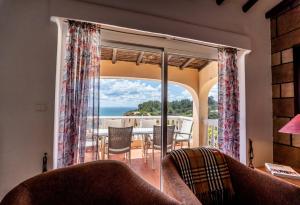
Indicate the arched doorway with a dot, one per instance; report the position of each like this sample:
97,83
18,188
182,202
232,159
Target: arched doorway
133,93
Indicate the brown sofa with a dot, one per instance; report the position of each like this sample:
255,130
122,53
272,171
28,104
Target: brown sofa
102,182
250,186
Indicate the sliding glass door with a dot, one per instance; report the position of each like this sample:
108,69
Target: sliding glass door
155,92
188,79
132,108
182,99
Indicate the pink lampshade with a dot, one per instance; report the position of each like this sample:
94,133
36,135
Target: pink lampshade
292,127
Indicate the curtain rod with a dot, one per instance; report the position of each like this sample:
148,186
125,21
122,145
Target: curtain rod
131,44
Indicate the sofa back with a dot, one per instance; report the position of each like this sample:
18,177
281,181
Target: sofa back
102,182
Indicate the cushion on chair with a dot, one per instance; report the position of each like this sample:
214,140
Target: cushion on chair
182,137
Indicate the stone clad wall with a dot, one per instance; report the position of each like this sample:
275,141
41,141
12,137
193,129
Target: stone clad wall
285,33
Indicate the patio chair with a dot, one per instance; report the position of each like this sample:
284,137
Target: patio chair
102,141
119,141
156,141
147,123
185,133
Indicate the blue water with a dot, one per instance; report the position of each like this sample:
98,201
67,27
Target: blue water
115,111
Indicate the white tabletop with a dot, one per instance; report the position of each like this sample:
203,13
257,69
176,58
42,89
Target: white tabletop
135,131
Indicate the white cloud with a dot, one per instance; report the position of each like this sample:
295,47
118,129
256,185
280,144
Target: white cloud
130,93
127,93
214,92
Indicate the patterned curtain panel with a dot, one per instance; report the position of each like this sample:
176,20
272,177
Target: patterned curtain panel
228,103
79,96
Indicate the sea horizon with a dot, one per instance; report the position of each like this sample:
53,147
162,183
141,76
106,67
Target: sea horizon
115,111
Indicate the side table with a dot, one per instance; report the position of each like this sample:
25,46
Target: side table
292,181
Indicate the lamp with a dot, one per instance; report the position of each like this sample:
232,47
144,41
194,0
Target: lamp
292,127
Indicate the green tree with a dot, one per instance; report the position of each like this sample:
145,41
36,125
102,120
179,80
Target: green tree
178,107
212,108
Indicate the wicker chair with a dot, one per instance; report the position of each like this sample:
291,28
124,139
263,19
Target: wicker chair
119,141
156,141
102,140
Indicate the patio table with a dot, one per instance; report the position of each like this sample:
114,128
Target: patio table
102,134
135,131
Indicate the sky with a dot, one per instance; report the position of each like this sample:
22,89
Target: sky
214,92
130,93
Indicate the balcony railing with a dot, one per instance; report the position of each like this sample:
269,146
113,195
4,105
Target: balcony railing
212,132
211,125
137,121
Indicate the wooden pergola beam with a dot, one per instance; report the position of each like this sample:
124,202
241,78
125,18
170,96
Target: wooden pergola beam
140,58
219,2
203,65
114,56
187,63
248,5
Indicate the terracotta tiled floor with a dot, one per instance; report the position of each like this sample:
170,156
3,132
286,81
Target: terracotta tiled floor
142,168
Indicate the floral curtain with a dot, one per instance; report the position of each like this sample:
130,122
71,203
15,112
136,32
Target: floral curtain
79,96
228,102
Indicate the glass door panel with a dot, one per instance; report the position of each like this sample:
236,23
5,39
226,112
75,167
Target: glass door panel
130,96
183,105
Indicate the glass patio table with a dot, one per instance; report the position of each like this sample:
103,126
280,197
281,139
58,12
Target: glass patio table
135,131
102,134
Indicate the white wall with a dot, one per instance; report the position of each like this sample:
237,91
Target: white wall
28,59
27,74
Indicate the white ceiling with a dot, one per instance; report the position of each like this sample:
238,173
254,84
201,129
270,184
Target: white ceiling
167,7
197,12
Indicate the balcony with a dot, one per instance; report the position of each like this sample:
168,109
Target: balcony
135,121
211,125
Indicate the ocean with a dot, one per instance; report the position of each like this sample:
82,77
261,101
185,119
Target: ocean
115,111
